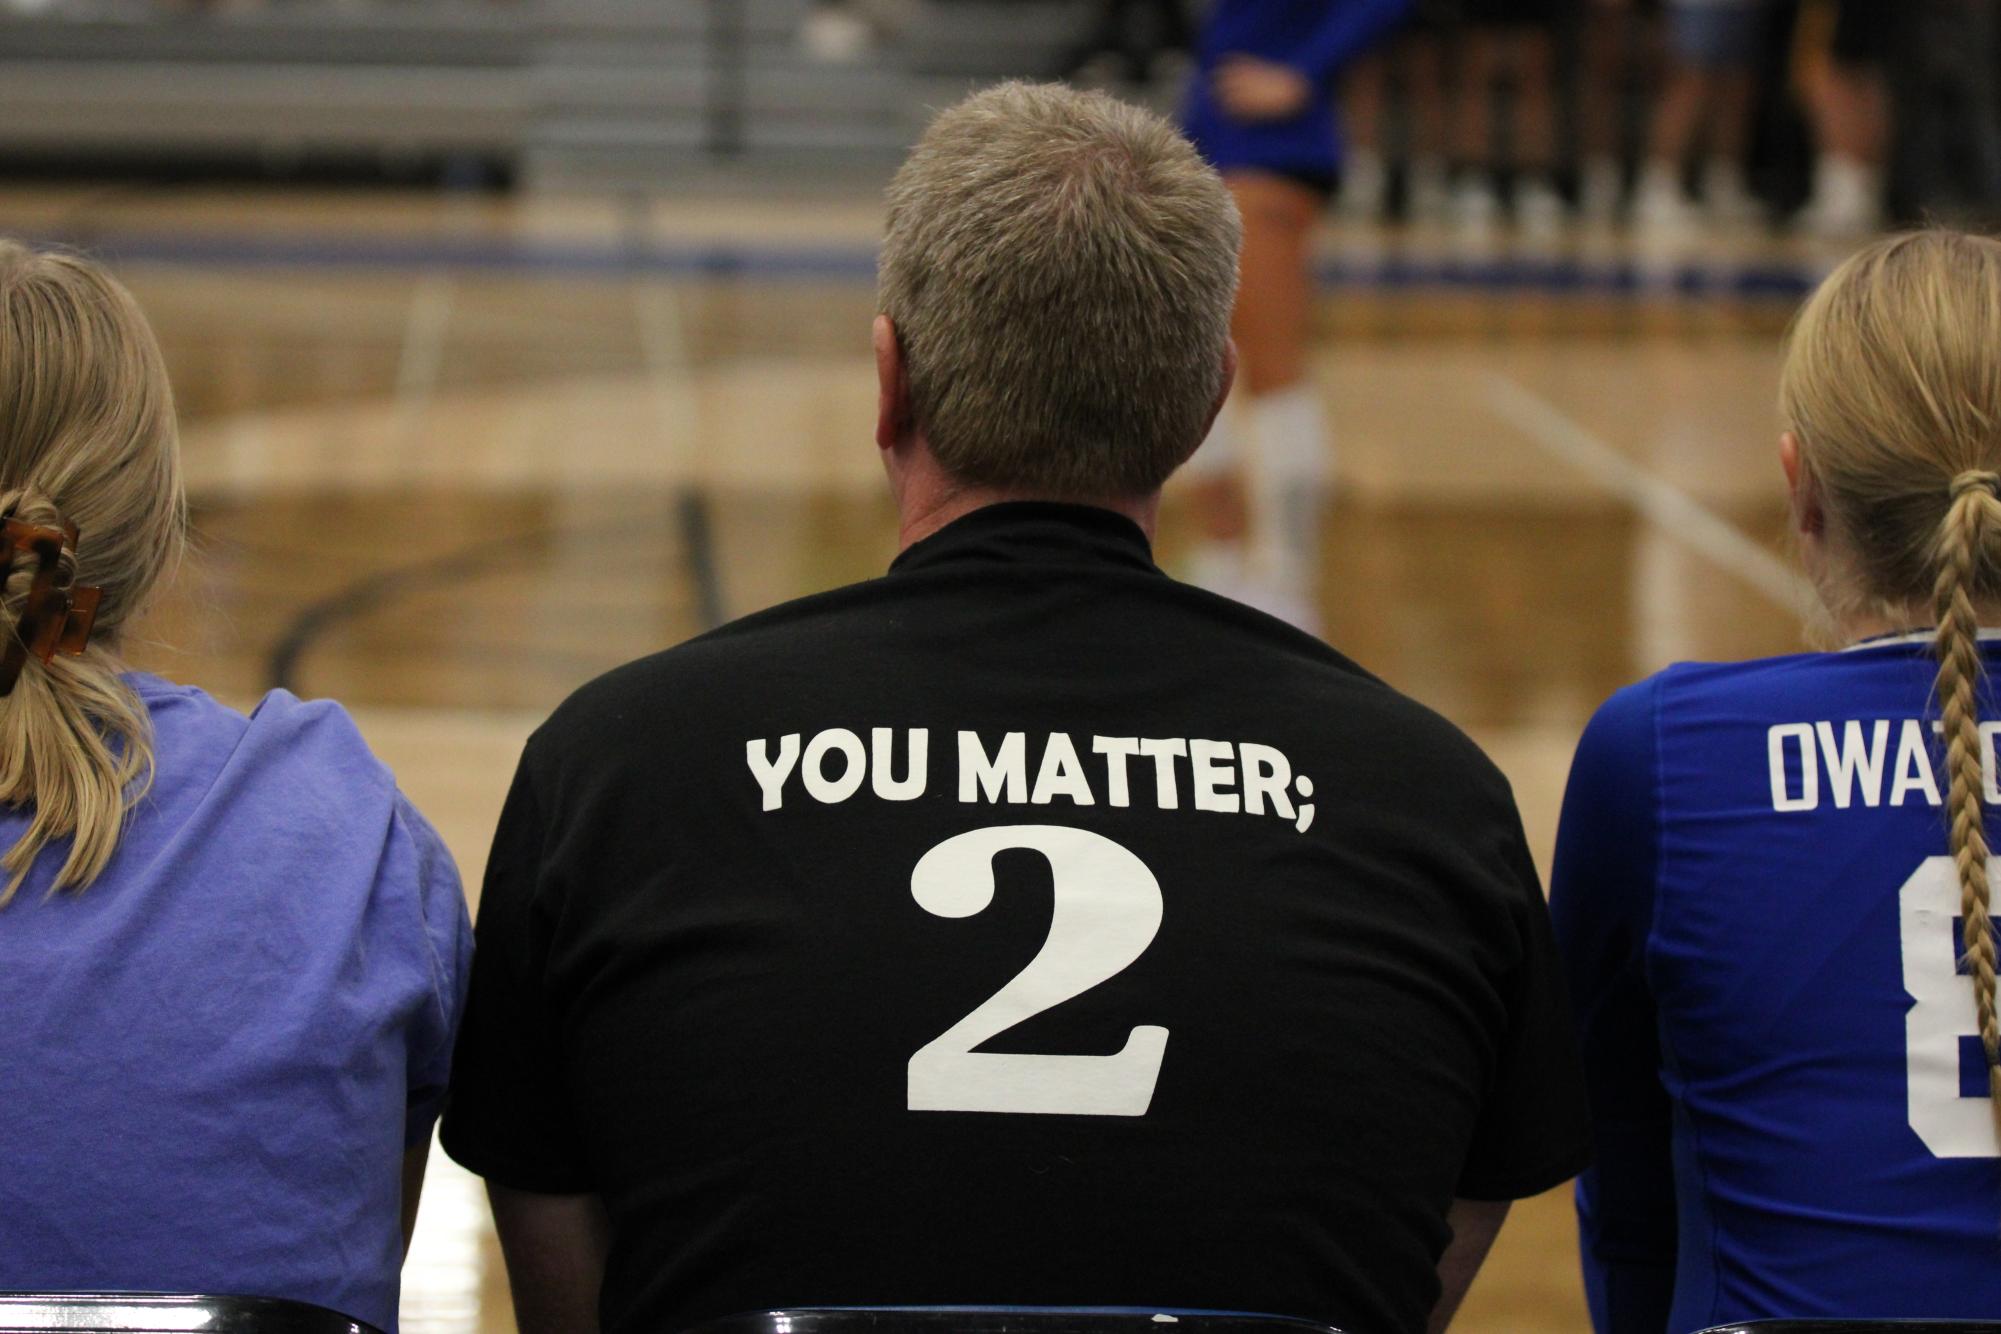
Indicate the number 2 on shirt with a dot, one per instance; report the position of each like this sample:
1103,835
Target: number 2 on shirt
1108,909
1951,1126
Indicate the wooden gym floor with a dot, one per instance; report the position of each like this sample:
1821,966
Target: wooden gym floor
451,458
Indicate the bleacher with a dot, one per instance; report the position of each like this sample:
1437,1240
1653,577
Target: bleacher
621,93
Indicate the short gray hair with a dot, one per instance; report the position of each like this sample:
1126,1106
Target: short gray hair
1060,268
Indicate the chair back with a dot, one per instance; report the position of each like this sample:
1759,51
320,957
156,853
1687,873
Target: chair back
156,1313
1004,1320
1858,1327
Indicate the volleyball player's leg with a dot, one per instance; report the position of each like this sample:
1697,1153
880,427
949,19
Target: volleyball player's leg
1429,107
1273,303
1726,190
1850,111
1537,203
1365,170
1605,69
1214,478
1481,57
1677,118
1256,544
1290,463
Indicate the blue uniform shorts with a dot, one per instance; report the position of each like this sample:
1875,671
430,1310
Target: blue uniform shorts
1303,148
1716,35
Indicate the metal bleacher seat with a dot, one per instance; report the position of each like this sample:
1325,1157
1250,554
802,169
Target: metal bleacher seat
1859,1327
1003,1320
155,1313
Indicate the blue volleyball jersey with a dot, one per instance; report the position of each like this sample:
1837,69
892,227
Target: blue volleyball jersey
1760,924
1316,37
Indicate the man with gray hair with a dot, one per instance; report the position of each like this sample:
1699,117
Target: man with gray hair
1023,927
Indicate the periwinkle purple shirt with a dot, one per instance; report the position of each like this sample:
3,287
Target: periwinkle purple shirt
213,1058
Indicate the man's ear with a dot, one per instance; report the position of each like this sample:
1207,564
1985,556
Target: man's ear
1809,515
892,411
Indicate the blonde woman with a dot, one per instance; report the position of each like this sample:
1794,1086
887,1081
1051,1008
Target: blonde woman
1771,882
232,956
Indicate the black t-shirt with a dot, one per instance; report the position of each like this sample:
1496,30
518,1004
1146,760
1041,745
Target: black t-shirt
1022,927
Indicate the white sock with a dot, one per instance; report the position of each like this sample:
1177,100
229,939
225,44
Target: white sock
1839,171
1846,190
1364,181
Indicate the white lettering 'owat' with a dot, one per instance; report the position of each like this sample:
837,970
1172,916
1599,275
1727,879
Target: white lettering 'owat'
1856,763
1914,766
1121,772
1850,759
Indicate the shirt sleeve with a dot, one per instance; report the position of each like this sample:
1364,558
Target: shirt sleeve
1533,1132
1347,33
416,850
1602,898
509,1117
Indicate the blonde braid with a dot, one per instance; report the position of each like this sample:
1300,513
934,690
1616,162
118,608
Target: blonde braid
1973,517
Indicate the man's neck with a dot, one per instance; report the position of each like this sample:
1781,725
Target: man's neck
925,515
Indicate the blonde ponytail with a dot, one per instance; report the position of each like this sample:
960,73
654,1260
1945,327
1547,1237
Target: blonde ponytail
1892,387
1971,522
87,438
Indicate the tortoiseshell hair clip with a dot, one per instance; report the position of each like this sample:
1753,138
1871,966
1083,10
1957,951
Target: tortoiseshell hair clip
53,618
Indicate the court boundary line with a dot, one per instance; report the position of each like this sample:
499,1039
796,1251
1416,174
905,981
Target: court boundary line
1659,502
371,592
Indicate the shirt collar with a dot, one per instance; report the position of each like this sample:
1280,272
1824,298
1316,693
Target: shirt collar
1908,637
1032,532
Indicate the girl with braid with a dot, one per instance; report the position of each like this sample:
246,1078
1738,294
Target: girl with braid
1771,882
232,955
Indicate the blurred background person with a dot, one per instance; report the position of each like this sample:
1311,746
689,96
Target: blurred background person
1946,132
1393,104
1262,109
1511,45
1848,102
1145,41
1606,51
1712,52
